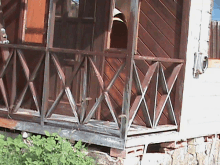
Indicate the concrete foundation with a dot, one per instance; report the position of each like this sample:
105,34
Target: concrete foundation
197,151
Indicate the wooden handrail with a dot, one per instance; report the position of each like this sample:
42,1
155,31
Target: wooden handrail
158,59
19,46
64,50
84,52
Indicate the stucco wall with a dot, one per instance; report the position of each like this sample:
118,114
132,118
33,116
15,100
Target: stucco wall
201,97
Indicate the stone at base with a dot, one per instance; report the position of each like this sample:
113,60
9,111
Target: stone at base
156,159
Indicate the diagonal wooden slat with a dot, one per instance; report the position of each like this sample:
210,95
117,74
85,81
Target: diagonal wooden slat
102,96
20,99
174,75
24,64
75,71
34,95
171,114
111,108
98,75
168,88
14,81
84,92
5,65
56,102
72,102
93,109
146,82
10,11
59,69
68,83
153,95
34,73
4,93
144,106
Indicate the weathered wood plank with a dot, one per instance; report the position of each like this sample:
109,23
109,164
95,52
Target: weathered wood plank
154,95
151,43
131,46
166,15
46,89
5,64
74,134
137,130
161,24
14,81
158,59
167,45
174,8
182,55
84,91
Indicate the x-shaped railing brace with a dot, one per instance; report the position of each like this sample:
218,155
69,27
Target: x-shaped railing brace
143,89
66,89
105,95
30,82
105,92
165,98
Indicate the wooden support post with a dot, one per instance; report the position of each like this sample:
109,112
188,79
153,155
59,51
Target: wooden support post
51,23
5,56
49,44
132,34
14,82
182,55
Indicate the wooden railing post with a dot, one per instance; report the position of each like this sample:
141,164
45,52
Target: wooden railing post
131,46
49,44
182,55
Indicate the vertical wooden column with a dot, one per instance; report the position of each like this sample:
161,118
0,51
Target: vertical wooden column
182,55
132,34
101,60
49,44
4,51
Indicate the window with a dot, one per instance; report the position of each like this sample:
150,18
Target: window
73,8
69,8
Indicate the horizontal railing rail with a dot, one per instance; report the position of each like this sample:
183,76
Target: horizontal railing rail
109,54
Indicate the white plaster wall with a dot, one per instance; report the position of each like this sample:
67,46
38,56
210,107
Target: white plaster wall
201,97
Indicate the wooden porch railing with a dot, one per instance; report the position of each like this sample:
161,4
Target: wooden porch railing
81,120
